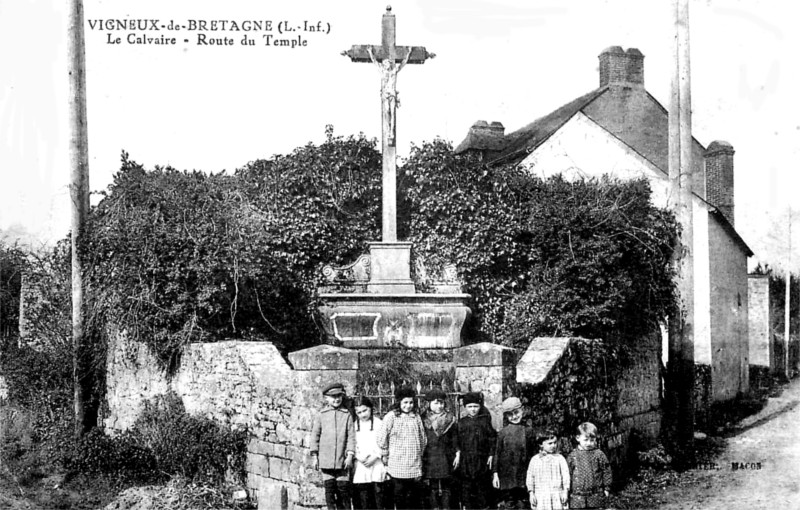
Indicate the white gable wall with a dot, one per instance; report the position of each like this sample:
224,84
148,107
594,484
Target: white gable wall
581,148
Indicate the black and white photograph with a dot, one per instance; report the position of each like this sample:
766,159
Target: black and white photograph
428,255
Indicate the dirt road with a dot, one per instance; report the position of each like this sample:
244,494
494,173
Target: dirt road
759,468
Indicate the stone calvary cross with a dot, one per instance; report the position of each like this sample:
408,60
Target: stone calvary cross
383,309
390,58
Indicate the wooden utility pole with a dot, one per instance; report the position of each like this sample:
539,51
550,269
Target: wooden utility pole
680,365
79,194
787,302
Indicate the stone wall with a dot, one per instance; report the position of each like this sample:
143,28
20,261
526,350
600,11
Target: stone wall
567,381
489,369
250,384
240,383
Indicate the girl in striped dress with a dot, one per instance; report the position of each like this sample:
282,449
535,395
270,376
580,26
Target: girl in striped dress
548,475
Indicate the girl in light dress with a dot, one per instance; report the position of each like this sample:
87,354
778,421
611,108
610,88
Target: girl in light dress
369,476
402,440
548,475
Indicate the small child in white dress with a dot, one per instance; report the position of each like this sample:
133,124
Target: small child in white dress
370,473
548,475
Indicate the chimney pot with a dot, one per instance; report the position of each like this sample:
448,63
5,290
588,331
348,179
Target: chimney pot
497,128
483,128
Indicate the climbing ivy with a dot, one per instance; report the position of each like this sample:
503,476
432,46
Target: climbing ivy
541,257
184,257
179,257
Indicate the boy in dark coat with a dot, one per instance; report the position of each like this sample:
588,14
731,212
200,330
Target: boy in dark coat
442,455
476,439
516,444
333,447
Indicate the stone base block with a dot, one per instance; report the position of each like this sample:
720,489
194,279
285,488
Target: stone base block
390,271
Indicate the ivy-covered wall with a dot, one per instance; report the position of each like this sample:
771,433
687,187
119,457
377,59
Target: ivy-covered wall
184,257
568,381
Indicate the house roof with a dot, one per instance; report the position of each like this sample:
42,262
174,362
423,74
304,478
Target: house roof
642,127
631,114
483,136
523,141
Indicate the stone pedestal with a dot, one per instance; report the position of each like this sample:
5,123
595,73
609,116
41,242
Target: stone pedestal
372,303
390,268
359,320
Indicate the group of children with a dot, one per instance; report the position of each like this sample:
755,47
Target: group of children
410,460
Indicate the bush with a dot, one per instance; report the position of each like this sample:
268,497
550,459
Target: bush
197,448
541,257
40,385
165,441
123,456
180,257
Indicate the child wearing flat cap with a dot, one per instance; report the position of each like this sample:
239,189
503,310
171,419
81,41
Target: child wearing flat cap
516,444
476,438
333,447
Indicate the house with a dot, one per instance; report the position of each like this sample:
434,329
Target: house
762,346
619,129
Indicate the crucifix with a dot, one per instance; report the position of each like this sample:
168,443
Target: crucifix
390,59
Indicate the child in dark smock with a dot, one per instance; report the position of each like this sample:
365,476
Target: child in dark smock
589,470
516,445
442,455
476,438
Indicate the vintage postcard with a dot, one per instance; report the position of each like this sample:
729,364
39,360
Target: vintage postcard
417,92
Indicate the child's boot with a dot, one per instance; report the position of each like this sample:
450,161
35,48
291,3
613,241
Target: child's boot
330,493
343,487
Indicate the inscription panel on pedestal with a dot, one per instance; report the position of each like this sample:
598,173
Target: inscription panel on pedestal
355,326
430,329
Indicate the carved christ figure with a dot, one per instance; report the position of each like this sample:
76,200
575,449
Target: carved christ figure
389,100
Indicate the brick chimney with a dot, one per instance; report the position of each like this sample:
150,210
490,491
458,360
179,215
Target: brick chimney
483,129
620,67
483,137
719,177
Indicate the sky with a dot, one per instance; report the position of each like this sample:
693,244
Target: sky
217,107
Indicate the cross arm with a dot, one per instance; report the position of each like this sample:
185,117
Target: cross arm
416,54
